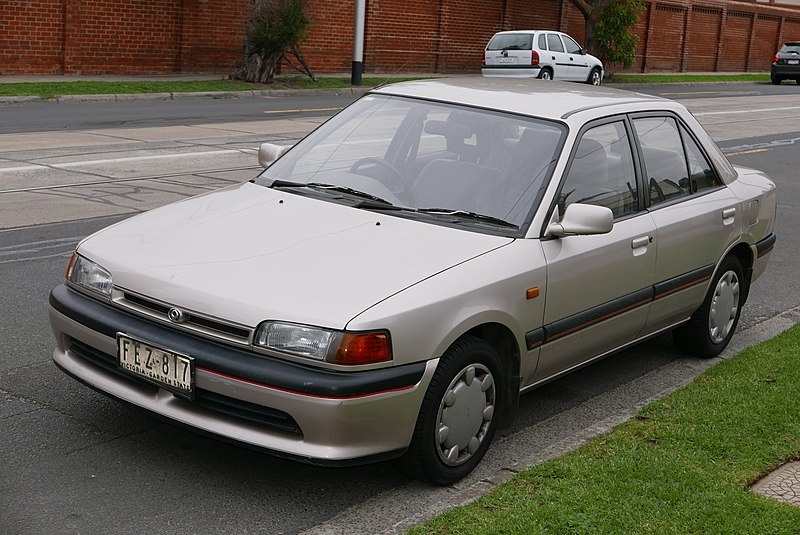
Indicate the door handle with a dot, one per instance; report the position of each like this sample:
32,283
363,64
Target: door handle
641,241
728,215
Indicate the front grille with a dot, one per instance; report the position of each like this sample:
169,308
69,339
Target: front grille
198,323
205,398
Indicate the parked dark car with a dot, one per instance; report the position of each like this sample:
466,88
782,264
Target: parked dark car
786,64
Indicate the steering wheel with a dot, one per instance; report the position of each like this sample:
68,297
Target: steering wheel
397,183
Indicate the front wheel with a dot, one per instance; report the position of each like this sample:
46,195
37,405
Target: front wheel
458,417
711,327
594,77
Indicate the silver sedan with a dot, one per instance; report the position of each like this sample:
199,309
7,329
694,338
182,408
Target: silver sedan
391,284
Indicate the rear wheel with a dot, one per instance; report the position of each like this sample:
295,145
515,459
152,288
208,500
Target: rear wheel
594,77
711,327
546,74
457,420
776,80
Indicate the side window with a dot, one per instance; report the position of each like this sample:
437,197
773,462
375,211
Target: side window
602,172
570,44
542,42
664,160
554,43
701,174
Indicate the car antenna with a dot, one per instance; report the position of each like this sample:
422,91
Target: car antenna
390,76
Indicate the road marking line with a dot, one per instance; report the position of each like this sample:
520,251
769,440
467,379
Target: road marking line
301,111
761,110
745,152
39,167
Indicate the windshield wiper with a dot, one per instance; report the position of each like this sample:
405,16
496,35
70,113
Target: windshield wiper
465,214
382,203
349,191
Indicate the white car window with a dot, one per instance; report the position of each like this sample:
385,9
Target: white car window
554,42
542,41
570,44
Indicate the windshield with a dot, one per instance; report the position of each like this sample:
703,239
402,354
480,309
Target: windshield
426,158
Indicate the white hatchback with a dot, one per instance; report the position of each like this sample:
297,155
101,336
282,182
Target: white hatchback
544,54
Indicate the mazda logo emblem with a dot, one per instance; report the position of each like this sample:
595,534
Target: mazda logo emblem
176,315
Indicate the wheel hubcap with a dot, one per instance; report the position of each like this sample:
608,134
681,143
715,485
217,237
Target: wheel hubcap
596,78
546,75
465,414
724,306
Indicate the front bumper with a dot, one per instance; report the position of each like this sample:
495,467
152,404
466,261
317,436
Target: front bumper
302,412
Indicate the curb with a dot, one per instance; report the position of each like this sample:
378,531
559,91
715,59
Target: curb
266,93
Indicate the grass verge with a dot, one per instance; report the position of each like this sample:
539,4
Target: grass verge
685,78
682,465
53,89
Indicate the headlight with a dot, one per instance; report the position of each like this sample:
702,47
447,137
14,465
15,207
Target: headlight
89,275
325,345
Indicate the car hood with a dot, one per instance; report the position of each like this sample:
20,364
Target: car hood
250,253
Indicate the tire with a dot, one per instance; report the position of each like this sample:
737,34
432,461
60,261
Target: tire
595,78
711,327
459,414
797,81
546,74
776,80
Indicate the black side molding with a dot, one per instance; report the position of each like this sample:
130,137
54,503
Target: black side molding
238,363
682,282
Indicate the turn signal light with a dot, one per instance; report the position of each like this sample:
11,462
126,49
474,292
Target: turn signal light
363,348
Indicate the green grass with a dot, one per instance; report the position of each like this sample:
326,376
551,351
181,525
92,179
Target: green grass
683,465
53,89
687,78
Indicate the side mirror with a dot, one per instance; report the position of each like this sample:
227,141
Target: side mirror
582,219
584,51
268,153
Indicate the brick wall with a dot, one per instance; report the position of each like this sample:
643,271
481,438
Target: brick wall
113,37
164,36
31,37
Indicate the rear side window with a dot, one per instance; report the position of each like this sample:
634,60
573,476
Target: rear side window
674,164
542,41
554,43
511,41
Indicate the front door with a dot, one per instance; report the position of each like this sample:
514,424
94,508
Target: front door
599,287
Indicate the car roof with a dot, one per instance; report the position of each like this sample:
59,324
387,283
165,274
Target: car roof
527,31
536,98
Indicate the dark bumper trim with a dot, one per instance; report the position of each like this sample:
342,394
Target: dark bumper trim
764,246
232,362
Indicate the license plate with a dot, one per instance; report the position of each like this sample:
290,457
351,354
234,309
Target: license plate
167,369
792,61
506,60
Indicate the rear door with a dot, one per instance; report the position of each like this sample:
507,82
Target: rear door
556,56
697,217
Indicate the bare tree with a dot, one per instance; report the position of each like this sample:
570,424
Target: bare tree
274,33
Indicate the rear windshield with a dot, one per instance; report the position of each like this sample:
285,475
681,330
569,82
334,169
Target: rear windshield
788,48
511,41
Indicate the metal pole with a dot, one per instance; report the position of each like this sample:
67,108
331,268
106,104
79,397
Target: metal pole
358,42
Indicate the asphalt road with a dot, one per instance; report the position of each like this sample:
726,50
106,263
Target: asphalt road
77,462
